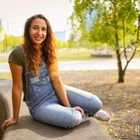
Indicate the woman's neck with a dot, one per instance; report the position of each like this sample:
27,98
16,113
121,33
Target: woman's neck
37,47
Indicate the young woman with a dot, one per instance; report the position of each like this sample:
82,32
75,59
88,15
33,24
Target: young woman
34,71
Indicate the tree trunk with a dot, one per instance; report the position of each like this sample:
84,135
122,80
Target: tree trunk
120,69
119,62
138,31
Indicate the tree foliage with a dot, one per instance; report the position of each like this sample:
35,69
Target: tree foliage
9,41
109,21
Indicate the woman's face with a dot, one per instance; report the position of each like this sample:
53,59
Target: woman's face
38,31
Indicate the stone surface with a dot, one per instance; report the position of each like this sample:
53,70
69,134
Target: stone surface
27,128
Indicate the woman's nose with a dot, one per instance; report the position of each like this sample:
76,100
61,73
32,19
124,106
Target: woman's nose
39,31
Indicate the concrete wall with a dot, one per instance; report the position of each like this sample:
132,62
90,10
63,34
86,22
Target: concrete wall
5,99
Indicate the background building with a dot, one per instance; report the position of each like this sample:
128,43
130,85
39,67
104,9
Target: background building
60,35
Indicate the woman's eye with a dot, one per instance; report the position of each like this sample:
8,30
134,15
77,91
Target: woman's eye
34,27
44,29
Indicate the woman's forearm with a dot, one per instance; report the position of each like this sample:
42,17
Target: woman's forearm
16,101
61,92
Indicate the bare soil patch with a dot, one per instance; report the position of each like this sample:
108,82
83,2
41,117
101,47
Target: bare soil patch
121,100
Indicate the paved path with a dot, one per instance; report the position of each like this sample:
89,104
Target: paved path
86,65
96,65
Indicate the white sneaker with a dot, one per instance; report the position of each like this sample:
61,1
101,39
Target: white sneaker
102,115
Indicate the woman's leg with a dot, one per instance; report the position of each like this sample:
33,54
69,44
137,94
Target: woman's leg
58,115
86,100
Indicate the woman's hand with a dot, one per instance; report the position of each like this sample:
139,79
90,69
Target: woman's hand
78,108
8,122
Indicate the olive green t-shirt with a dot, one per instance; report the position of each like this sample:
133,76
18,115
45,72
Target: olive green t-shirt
17,56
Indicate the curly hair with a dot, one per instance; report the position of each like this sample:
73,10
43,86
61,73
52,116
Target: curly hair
48,49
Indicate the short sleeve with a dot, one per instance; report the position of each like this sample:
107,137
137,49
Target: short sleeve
16,56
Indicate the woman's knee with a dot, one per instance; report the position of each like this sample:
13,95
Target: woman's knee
96,104
72,120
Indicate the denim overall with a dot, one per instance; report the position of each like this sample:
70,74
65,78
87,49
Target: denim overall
45,106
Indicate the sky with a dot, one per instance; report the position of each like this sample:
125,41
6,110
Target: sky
14,13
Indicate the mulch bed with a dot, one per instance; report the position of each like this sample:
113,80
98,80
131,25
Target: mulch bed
121,100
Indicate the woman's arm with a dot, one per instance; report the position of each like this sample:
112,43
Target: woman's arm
61,92
17,87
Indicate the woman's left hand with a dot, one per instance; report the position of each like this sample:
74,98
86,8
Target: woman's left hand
78,108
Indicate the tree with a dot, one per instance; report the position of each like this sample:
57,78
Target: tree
1,38
111,21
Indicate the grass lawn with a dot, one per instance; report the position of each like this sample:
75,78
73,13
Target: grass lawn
68,54
3,60
74,54
5,75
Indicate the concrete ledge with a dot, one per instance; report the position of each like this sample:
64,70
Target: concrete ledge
5,99
27,128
